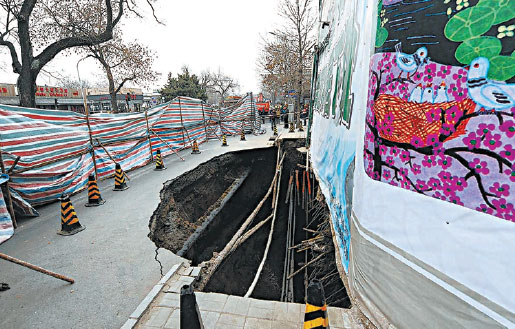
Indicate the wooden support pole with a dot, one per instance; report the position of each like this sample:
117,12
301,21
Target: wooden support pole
269,242
14,165
149,138
90,135
36,268
204,120
103,148
8,194
182,123
306,265
171,148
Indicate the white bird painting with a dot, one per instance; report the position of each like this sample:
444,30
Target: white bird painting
410,63
441,94
416,94
428,94
488,94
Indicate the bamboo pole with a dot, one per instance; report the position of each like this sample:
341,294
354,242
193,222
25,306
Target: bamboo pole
182,123
89,133
204,119
36,268
230,246
269,242
149,139
306,265
103,148
14,165
42,164
8,194
171,148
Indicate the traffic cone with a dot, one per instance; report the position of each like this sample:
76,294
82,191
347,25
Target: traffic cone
69,222
159,161
194,148
292,128
316,307
119,179
242,135
224,140
94,197
189,314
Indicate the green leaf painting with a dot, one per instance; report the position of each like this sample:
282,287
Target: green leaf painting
478,47
504,10
469,23
381,36
502,68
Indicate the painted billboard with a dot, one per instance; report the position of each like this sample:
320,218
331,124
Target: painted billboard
413,138
440,118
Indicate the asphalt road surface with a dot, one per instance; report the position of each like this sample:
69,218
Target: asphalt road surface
112,260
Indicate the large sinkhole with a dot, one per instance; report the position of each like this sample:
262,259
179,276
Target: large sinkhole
201,210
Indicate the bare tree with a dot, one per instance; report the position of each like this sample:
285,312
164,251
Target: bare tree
52,26
220,83
291,50
123,62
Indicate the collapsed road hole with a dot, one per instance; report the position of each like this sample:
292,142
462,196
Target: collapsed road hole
202,210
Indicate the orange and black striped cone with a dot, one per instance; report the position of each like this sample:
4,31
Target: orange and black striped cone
242,135
119,179
292,128
69,222
159,161
194,148
224,140
94,197
316,307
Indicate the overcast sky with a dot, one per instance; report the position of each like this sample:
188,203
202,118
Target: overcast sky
203,34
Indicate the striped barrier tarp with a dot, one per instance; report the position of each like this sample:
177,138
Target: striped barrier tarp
6,224
56,153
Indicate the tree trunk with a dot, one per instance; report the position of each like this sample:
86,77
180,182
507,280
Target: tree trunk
27,88
112,90
29,69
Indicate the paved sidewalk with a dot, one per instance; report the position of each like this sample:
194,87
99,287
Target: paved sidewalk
224,311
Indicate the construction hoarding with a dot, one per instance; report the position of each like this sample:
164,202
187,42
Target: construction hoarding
418,170
56,148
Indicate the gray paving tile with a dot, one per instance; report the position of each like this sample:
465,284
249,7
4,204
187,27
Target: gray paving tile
268,304
294,312
169,300
285,325
142,307
175,287
212,297
195,271
253,323
237,305
186,280
260,313
158,316
281,312
227,326
346,319
231,319
174,321
209,319
205,305
335,317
